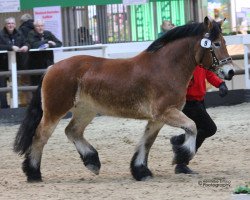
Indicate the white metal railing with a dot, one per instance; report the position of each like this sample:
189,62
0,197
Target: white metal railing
13,65
245,40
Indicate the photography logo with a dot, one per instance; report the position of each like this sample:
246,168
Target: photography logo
215,182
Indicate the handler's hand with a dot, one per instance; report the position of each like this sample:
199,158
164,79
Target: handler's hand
223,89
23,49
15,48
52,43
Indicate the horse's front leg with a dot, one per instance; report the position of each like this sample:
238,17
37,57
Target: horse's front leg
139,161
185,152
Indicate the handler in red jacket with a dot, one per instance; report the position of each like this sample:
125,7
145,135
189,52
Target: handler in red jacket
195,110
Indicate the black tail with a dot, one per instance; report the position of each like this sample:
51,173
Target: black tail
31,120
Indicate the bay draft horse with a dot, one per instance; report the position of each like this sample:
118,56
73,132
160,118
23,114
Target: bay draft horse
150,86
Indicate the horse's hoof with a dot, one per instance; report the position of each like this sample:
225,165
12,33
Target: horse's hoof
181,154
92,162
146,178
33,174
141,173
183,169
34,180
93,168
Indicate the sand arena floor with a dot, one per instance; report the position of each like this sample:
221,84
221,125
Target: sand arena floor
223,162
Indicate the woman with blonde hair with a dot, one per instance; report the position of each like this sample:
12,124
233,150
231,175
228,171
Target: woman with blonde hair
165,27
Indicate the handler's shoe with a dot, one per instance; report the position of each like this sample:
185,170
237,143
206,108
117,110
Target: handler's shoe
183,169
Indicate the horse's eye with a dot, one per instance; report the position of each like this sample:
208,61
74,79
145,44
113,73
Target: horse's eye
217,44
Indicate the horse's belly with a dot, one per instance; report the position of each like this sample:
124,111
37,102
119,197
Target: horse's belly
136,111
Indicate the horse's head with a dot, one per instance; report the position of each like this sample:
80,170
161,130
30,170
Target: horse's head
213,53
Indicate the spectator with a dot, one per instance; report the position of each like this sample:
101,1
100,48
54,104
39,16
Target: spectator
41,39
10,40
165,27
27,24
84,37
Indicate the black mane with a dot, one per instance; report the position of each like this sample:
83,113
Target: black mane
189,30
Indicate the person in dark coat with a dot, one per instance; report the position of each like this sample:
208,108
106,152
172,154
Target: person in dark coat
27,24
84,38
11,40
41,39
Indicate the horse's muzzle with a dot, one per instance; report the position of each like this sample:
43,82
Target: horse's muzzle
226,72
230,74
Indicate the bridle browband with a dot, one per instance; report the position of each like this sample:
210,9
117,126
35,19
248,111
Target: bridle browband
215,61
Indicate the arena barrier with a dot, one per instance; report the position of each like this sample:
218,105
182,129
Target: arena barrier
59,54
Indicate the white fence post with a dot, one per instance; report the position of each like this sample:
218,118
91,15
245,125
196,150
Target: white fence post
104,51
13,69
247,66
246,42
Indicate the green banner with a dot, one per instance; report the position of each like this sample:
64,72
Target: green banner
30,4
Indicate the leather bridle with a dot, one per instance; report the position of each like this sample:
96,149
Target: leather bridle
215,61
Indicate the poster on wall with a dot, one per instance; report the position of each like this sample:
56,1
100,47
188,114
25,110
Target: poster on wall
9,6
242,9
52,19
134,2
219,10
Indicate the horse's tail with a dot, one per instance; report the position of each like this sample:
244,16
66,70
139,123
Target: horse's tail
29,125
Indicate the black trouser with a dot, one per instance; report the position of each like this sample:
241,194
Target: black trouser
206,127
40,60
3,96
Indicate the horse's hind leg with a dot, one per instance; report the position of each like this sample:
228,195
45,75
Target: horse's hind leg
75,130
139,161
32,161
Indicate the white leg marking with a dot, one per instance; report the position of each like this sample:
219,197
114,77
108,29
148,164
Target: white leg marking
150,130
34,159
82,147
140,160
190,143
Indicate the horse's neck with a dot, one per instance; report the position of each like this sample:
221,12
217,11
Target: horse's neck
177,57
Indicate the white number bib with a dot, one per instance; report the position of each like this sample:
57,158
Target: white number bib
206,43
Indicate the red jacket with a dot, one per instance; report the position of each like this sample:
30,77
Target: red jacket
197,86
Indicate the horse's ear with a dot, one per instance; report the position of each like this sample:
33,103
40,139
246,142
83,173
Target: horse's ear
222,21
208,23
